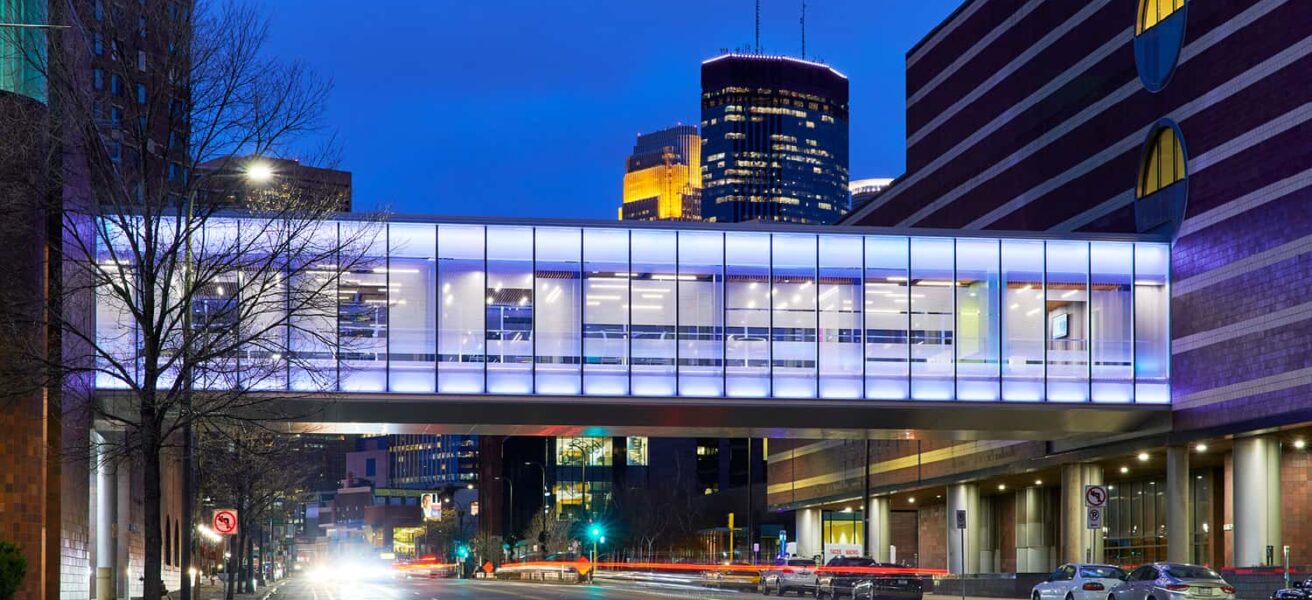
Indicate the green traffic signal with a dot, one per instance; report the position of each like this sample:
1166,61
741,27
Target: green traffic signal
595,532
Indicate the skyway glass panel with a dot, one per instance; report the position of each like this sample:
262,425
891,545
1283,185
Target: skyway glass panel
607,310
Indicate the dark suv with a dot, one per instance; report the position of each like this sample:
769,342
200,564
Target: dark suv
850,576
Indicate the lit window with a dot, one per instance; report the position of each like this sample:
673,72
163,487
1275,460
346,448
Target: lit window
1152,12
1163,163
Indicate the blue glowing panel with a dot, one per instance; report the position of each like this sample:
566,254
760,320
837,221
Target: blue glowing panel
1111,295
313,340
363,295
933,331
558,316
653,314
412,312
1023,323
509,310
887,320
700,313
1066,314
1152,349
747,315
793,319
839,305
606,312
461,336
978,296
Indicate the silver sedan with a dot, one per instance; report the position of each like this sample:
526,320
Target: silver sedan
1173,581
1079,581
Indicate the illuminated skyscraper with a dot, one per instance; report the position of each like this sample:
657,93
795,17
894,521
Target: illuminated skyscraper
774,136
663,178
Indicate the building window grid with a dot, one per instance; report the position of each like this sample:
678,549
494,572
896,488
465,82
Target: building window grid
723,282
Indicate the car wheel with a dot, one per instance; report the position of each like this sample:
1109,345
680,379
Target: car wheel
1034,596
1069,596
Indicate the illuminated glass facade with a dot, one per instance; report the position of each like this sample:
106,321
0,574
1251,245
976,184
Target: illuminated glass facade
774,140
623,310
23,49
663,177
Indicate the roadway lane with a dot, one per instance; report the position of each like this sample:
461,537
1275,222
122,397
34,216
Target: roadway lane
300,588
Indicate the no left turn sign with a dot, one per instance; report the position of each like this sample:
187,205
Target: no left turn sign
225,521
1095,496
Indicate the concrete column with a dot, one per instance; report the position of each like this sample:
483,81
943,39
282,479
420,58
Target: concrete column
1179,506
122,533
964,496
106,520
809,532
1033,534
1256,500
880,533
1079,544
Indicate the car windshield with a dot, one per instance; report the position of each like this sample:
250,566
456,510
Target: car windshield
1191,572
801,562
853,562
1102,572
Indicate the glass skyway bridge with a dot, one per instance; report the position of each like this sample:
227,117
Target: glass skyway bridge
690,310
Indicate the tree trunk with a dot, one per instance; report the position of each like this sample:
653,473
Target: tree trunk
150,465
230,589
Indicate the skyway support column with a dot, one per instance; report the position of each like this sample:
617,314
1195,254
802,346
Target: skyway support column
1079,544
1179,507
963,496
879,534
808,532
1256,499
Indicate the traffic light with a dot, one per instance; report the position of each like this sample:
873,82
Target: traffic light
462,551
595,532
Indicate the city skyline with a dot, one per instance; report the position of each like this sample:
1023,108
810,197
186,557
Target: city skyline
527,91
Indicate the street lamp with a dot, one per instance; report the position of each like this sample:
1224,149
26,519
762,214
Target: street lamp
261,175
511,506
545,491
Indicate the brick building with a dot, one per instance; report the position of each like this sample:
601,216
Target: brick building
1186,119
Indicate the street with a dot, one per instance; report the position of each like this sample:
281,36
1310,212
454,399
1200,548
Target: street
301,588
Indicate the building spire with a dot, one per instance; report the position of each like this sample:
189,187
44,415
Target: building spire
803,29
757,47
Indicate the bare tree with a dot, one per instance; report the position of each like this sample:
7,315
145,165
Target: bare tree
252,470
198,317
551,533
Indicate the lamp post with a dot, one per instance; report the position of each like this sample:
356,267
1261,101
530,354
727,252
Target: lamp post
510,508
545,492
257,172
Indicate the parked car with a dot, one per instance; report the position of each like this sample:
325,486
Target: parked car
1298,590
1079,581
843,573
735,575
789,575
893,586
1173,581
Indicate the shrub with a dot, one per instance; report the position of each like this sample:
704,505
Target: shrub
13,565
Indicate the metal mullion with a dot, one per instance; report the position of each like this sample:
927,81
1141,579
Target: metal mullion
337,316
579,295
956,345
1002,314
628,325
910,395
533,303
1043,310
437,307
815,306
678,317
861,319
1088,315
387,283
1134,324
483,310
769,336
724,313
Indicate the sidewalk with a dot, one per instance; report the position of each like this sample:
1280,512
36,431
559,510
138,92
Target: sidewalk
205,591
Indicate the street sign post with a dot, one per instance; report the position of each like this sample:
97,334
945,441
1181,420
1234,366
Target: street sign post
961,526
1095,496
225,521
1094,520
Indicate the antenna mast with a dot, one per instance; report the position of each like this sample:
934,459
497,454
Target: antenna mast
758,26
803,29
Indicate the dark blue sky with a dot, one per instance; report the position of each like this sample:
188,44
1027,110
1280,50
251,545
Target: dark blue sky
529,107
